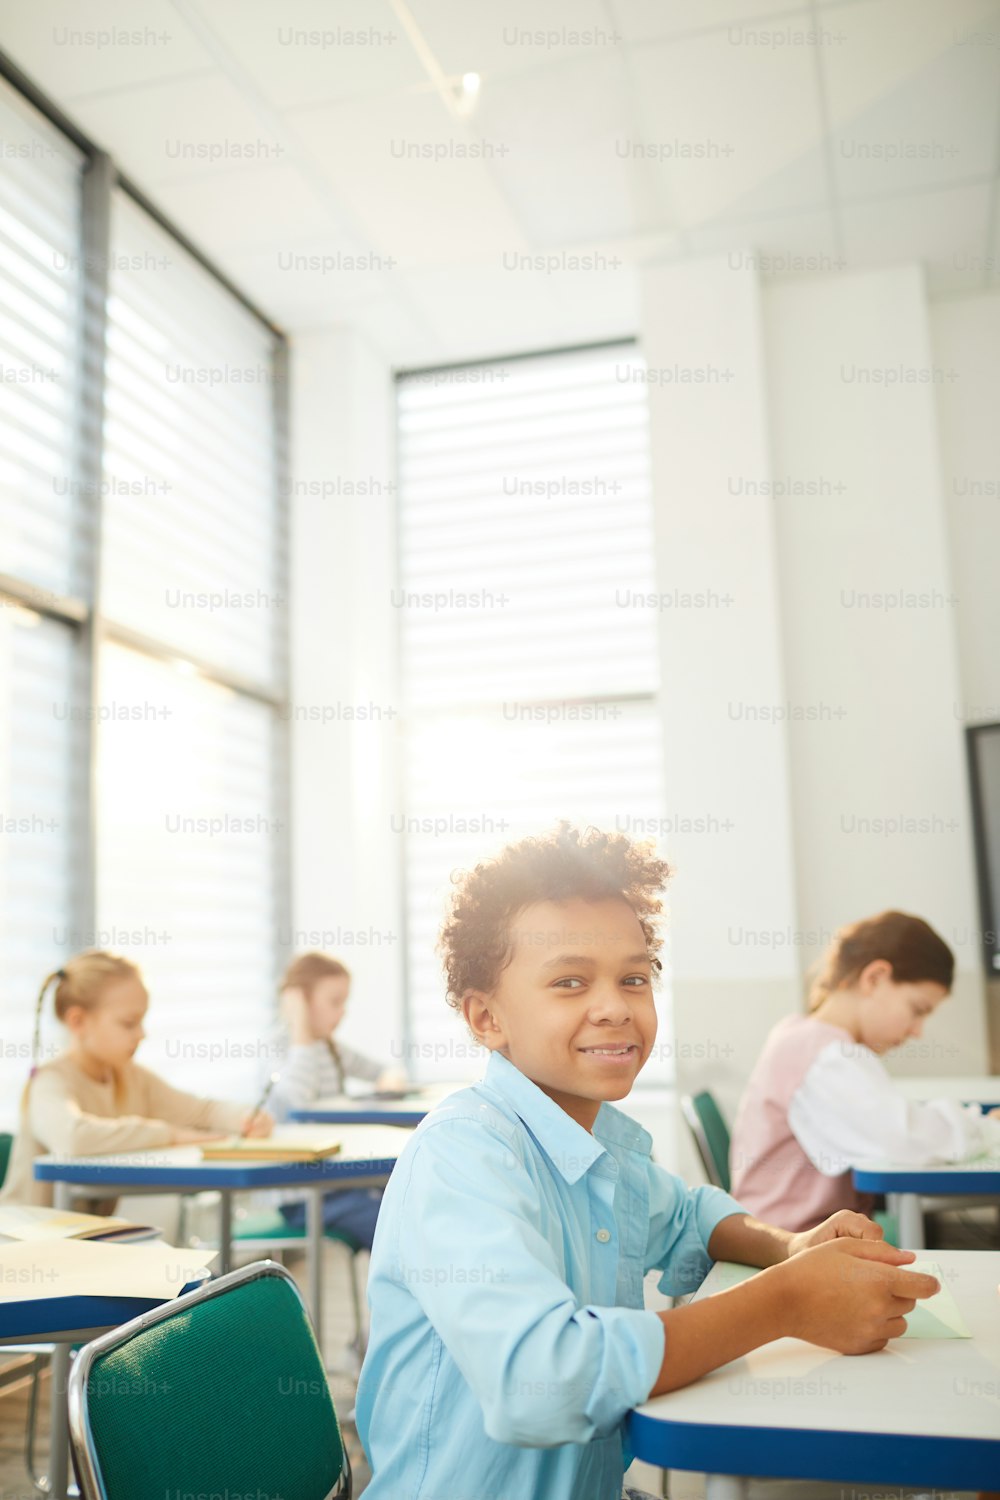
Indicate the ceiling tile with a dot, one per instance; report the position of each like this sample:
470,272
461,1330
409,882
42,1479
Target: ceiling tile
792,245
256,207
309,52
641,20
946,230
421,185
562,176
72,49
188,127
914,98
514,36
729,132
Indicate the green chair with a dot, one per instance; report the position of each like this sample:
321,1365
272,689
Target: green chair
266,1232
711,1135
221,1391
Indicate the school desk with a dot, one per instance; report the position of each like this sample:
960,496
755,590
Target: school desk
64,1321
922,1412
366,1110
367,1156
984,1089
904,1187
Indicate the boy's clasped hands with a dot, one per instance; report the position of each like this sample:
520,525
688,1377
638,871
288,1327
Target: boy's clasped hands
847,1288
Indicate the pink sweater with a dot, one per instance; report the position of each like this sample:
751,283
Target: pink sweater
771,1174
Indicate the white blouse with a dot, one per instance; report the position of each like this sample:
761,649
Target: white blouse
847,1110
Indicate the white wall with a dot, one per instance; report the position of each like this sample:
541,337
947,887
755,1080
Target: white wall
966,339
870,609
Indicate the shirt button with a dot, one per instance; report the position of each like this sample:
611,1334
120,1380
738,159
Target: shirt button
603,1235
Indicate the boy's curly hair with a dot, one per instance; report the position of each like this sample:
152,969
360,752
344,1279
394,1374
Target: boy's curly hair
563,865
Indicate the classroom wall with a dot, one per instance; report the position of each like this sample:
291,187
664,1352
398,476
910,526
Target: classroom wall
797,437
870,604
965,334
880,508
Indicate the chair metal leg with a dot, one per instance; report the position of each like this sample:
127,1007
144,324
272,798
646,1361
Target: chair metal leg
32,1427
360,1335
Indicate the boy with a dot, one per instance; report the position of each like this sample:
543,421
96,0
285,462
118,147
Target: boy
508,1336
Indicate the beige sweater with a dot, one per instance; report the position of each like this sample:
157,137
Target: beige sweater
71,1114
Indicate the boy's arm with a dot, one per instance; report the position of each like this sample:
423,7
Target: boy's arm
750,1242
847,1294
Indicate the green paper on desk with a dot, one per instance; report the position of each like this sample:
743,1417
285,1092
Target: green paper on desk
937,1317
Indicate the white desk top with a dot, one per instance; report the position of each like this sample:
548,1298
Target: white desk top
984,1089
360,1144
947,1388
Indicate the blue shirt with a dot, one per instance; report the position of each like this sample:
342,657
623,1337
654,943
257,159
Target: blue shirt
508,1336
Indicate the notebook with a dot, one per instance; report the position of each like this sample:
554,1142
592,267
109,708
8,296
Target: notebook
292,1143
21,1221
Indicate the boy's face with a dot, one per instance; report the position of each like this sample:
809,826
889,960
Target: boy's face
573,1010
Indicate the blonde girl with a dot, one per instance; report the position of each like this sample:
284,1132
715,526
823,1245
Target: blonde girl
94,1098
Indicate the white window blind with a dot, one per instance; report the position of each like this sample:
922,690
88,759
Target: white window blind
188,864
37,836
39,330
526,527
193,536
530,676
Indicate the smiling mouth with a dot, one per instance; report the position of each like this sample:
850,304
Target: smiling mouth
624,1050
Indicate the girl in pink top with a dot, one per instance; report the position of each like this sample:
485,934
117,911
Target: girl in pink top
820,1100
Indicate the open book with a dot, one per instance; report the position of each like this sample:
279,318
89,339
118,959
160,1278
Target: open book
291,1143
23,1221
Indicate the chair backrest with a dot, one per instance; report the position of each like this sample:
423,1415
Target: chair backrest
221,1391
6,1146
711,1135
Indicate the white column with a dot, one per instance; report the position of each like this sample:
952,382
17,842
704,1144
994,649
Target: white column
346,881
732,903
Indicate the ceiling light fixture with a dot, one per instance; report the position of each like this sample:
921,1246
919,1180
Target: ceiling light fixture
459,98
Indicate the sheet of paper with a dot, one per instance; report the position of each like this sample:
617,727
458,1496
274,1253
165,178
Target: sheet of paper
938,1317
86,1268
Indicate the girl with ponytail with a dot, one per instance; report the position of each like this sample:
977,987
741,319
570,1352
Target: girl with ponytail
820,1100
93,1097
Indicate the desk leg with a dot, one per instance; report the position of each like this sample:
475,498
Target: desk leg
906,1207
225,1231
57,1478
314,1226
726,1487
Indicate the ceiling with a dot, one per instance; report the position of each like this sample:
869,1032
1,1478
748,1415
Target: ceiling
311,149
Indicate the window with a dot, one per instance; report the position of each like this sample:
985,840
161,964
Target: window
142,617
529,660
